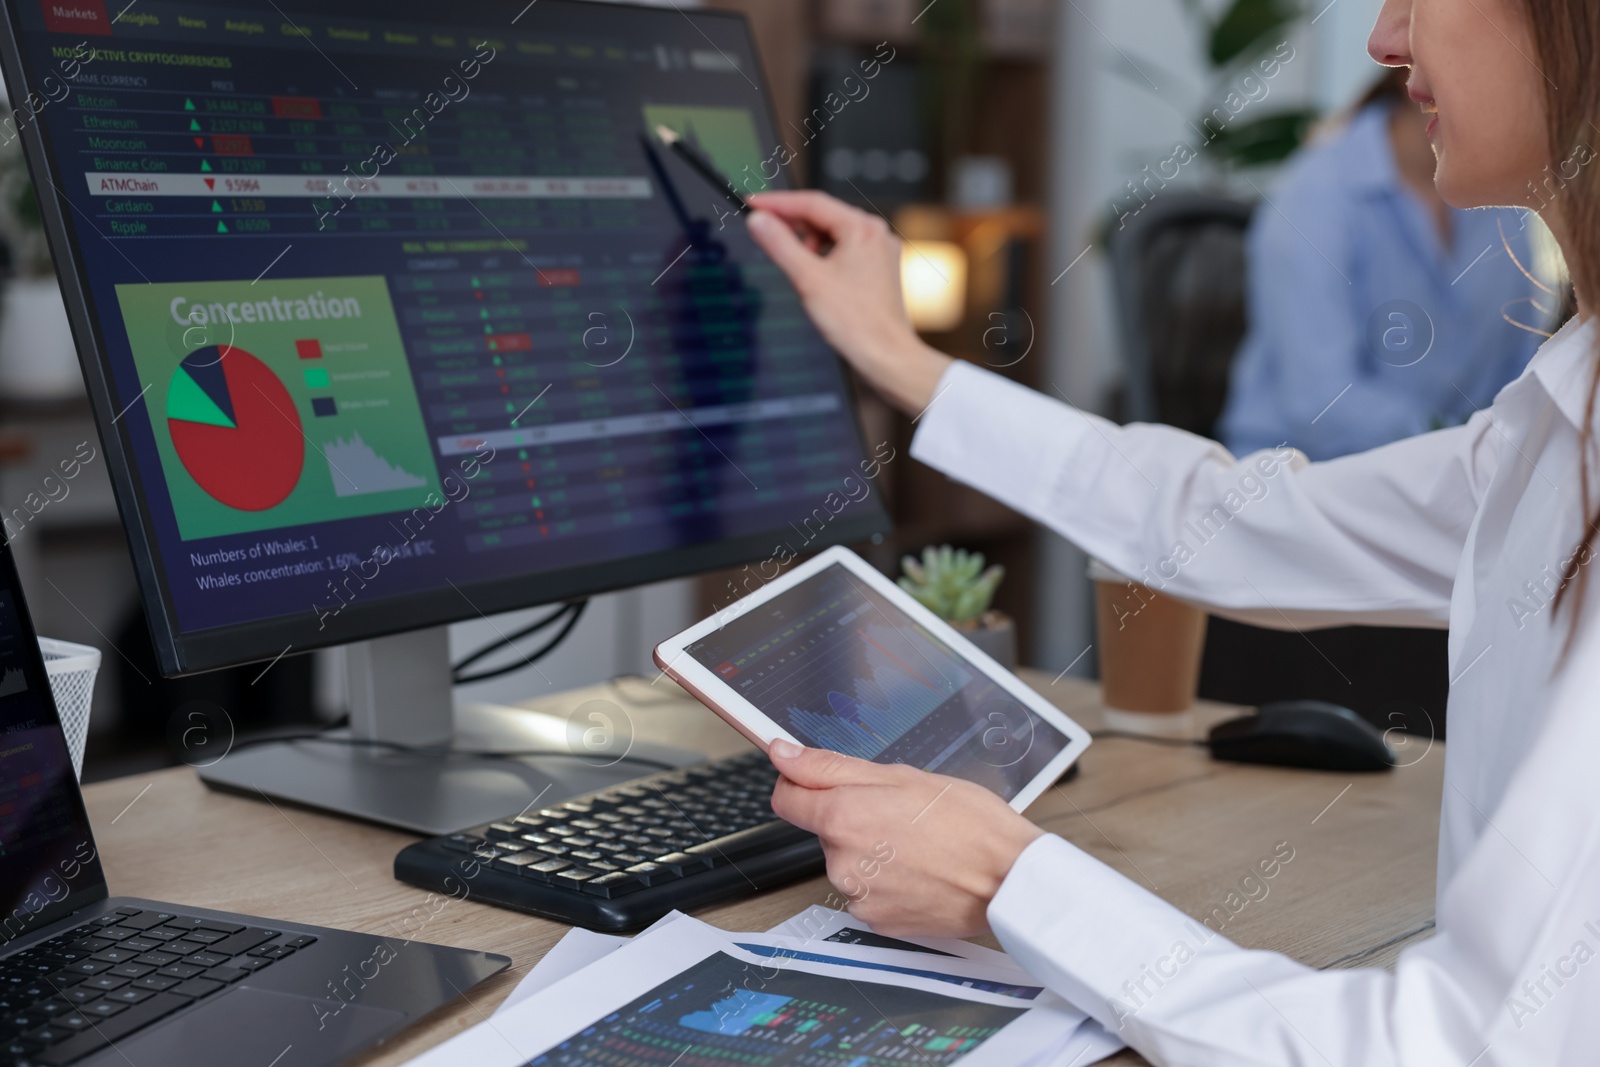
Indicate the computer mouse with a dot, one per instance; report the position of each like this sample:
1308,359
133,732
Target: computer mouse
1303,733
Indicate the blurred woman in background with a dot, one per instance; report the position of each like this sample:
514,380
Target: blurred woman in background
1377,311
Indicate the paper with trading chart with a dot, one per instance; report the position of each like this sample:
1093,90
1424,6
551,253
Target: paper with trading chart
687,988
823,929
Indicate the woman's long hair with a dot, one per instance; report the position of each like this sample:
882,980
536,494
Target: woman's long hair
1567,52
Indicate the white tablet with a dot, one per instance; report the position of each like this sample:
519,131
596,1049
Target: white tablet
834,655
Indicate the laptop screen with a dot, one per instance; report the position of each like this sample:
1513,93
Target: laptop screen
48,863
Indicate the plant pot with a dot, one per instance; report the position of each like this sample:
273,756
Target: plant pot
996,635
38,360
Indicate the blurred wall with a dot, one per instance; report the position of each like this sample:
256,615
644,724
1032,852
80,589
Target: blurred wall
1343,68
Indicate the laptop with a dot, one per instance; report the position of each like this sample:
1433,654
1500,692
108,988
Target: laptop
88,978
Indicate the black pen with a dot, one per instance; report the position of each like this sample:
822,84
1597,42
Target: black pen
702,166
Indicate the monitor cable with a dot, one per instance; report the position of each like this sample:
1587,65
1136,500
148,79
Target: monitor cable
571,612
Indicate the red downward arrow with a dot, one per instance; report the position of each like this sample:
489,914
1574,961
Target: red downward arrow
199,142
211,183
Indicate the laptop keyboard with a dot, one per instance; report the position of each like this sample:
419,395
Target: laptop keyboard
90,986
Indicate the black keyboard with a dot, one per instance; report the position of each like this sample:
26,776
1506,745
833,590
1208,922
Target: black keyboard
621,858
100,981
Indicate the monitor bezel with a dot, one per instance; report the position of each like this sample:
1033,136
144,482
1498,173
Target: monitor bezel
215,648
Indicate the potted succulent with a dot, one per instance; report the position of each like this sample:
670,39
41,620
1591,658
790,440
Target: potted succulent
955,585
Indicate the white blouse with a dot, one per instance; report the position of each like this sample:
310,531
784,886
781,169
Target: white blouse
1467,527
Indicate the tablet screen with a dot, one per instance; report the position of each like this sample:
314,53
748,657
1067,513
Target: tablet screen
840,666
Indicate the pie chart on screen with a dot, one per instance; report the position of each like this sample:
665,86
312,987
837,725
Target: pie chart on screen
235,428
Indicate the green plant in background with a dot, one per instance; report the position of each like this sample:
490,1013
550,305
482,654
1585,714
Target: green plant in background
952,65
1242,29
21,226
951,582
1233,40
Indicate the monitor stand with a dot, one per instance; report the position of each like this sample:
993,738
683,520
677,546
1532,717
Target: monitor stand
399,692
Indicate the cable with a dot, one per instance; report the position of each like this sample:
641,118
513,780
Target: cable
572,612
441,750
503,641
1179,742
576,613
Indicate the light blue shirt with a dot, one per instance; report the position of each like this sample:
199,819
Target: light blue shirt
1365,327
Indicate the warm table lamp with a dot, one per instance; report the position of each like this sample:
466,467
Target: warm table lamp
933,276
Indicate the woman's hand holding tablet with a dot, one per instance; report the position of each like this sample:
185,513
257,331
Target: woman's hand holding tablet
913,853
835,656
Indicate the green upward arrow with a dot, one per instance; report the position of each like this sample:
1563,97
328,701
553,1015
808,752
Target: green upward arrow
188,105
222,227
204,166
216,206
194,125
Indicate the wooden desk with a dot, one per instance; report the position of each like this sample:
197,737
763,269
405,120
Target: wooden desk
1360,885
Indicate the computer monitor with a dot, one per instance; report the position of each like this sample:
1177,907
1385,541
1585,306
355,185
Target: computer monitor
395,313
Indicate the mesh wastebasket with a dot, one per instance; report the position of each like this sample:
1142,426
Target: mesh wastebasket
72,669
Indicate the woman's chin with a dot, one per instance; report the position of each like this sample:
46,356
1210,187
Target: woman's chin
1461,190
1468,187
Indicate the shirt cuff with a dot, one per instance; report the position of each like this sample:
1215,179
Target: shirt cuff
1004,439
1092,936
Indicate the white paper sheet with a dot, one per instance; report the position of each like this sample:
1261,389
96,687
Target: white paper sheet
568,956
1091,1044
573,953
657,959
995,977
818,923
1087,1044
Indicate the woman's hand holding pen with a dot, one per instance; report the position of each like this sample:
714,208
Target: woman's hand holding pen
915,853
845,264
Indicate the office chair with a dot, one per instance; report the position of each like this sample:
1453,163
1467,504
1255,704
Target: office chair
1180,278
1179,272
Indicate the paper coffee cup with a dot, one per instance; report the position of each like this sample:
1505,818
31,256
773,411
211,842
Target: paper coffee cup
1150,646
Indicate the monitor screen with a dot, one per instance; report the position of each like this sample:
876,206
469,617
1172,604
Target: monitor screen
402,314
